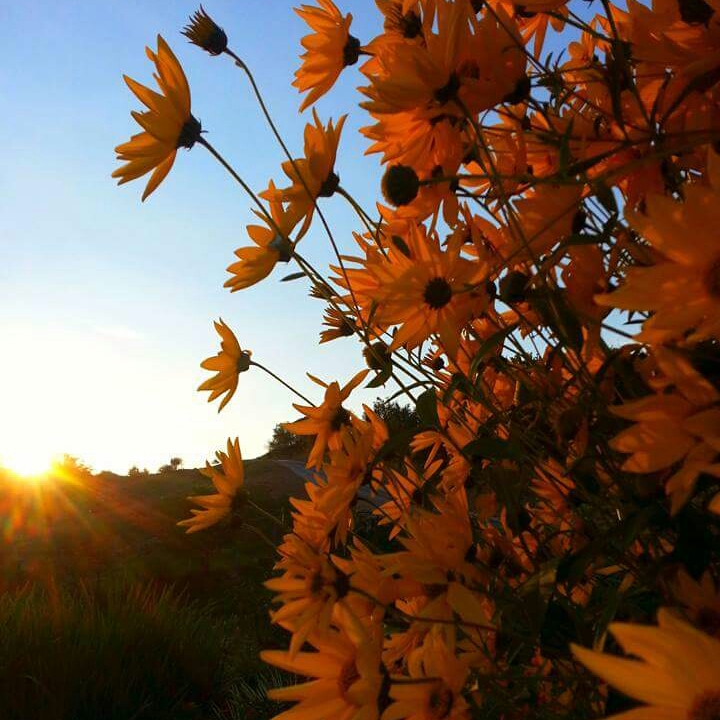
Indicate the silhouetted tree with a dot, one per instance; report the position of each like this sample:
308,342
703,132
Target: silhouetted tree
174,465
396,416
286,444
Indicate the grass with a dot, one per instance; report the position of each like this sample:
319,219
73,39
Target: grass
109,652
109,610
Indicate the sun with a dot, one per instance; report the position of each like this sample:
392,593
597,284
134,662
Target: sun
27,465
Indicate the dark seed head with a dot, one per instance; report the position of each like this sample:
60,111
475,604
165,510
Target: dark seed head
513,286
695,12
400,185
204,32
189,134
410,25
328,188
377,356
351,51
341,417
449,90
243,362
520,92
438,293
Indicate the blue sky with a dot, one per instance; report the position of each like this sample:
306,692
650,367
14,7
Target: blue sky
106,303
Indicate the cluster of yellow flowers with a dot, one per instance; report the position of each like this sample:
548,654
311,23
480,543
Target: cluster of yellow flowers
563,473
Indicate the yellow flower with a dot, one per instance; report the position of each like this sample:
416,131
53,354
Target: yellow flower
204,32
167,125
227,365
272,246
326,421
682,289
680,426
228,477
312,176
347,678
439,696
677,675
327,51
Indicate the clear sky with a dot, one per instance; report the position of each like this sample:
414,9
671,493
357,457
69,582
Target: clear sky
106,304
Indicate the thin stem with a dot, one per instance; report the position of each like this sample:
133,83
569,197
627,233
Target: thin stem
261,535
268,515
202,141
282,382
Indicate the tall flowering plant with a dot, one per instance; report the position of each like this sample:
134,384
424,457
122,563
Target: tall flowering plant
542,283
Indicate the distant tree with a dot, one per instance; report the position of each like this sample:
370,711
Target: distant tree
395,416
174,465
286,444
135,471
71,466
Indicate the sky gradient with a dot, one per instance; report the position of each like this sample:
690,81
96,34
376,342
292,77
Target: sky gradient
107,303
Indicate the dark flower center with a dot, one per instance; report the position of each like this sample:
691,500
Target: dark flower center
341,417
351,51
400,185
520,92
243,362
706,706
410,25
695,12
282,246
189,134
438,293
449,90
330,185
205,33
316,584
377,355
440,702
513,287
346,329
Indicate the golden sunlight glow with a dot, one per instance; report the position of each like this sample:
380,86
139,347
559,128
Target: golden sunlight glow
28,463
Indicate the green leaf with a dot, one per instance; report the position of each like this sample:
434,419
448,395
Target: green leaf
293,276
488,346
381,378
491,448
572,567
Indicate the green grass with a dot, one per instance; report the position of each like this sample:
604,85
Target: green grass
110,652
109,610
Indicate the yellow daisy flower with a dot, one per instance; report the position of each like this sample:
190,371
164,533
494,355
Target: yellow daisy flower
228,477
167,124
677,674
227,365
328,50
327,420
